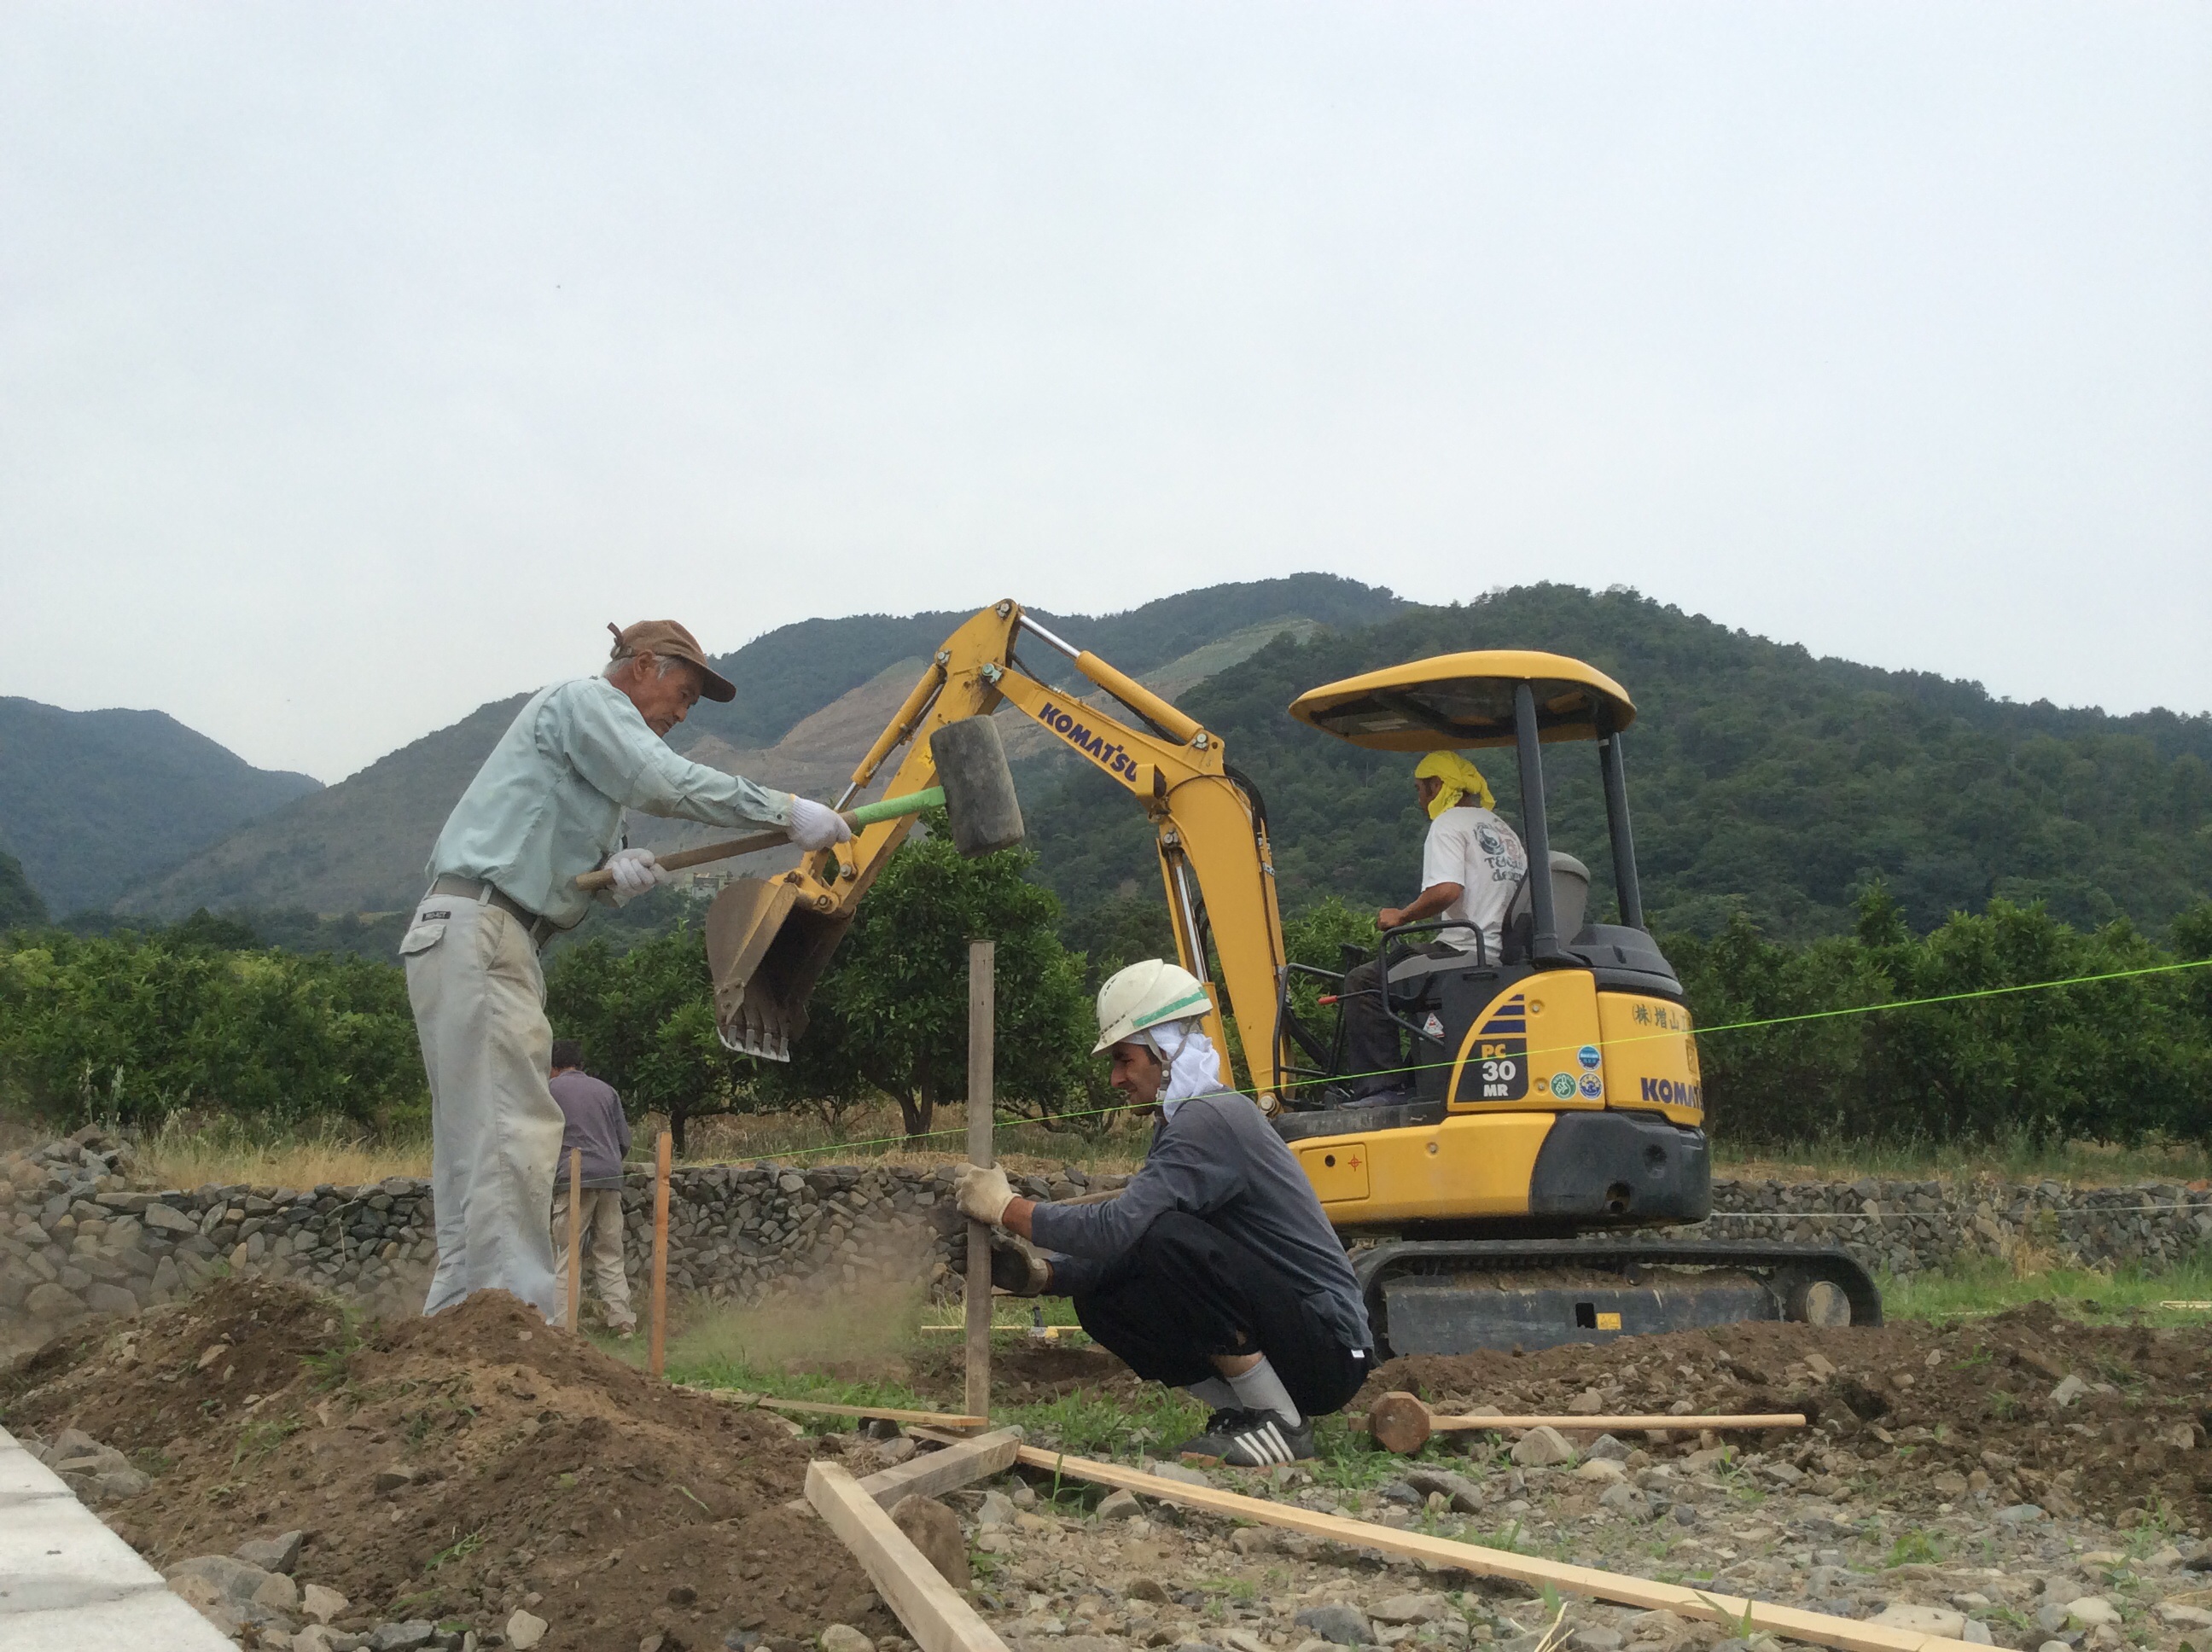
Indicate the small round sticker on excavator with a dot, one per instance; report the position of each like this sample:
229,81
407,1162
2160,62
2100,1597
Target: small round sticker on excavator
1589,1056
1593,1086
1563,1086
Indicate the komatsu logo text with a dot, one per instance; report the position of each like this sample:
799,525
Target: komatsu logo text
1101,751
1673,1092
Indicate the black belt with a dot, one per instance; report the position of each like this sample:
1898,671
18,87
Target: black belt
539,928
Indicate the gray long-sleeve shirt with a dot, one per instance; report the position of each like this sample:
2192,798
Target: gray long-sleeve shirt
1217,1158
594,1122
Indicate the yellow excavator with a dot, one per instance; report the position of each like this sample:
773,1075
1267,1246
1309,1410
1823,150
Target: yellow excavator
1551,1103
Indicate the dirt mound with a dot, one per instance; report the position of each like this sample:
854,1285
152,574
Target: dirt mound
452,1468
1931,1407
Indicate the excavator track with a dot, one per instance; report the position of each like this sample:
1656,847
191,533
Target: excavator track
1454,1296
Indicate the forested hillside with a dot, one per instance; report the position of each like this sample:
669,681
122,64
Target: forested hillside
91,801
1764,780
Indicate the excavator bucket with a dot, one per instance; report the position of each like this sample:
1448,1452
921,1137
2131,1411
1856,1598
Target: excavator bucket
767,950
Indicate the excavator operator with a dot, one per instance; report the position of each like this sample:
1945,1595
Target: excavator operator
1472,864
1214,1269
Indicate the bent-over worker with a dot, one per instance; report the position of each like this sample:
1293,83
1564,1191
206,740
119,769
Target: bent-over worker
546,806
595,1125
1214,1269
1472,864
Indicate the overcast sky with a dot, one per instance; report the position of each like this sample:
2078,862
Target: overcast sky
358,363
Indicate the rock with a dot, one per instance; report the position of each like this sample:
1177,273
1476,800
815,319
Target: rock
1460,1492
416,1632
2021,1514
525,1630
233,1579
1249,1540
1149,1588
46,1300
1624,1500
109,1299
1925,1620
162,1219
2069,1389
322,1603
1601,1468
1181,1473
278,1593
997,1509
280,1553
1596,1640
2054,1646
315,1637
935,1530
1976,1633
843,1637
1541,1447
1121,1505
1605,1445
115,1485
2183,1615
896,1451
2090,1610
1342,1625
1411,1609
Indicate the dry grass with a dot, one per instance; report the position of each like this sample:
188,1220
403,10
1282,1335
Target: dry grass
2075,1163
875,1135
187,1155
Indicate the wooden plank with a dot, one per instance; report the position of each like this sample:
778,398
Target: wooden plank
931,1471
888,1413
1680,1424
933,1611
983,999
1710,1604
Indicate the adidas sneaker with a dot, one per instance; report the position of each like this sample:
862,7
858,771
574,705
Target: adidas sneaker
1251,1439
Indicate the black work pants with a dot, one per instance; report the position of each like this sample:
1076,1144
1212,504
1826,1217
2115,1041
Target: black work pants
1374,1057
1188,1291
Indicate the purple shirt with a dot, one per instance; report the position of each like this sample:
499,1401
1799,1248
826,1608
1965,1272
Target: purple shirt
596,1124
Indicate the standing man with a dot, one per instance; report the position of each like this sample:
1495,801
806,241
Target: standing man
1472,865
597,1128
1215,1269
546,806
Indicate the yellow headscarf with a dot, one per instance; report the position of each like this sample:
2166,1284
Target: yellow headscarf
1461,778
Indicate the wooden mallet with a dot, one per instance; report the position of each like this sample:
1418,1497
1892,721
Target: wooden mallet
1399,1422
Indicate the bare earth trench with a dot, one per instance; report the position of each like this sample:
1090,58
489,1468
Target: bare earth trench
2024,1477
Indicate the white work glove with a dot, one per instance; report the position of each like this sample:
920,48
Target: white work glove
634,871
982,1194
813,827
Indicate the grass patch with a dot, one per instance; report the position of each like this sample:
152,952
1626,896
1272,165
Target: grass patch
1988,1285
2018,1159
224,1152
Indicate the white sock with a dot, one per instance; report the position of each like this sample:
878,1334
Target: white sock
1214,1394
1261,1389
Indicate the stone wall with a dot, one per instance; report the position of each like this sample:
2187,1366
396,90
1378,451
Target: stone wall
77,1236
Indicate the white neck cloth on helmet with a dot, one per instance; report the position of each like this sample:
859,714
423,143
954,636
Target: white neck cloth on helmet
1194,1067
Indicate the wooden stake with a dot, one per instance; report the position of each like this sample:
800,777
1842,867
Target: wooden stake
1399,1422
659,1356
576,1240
932,1610
981,1036
1731,1610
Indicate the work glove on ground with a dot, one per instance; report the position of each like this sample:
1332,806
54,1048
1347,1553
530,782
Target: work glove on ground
1015,1268
982,1194
635,871
813,827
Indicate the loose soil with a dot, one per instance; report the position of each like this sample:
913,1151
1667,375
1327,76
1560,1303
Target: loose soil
533,1465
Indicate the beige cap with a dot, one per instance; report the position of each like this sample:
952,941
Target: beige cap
669,640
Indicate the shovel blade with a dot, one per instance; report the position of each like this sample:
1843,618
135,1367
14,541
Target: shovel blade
767,950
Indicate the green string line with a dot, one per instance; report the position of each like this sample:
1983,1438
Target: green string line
1701,1032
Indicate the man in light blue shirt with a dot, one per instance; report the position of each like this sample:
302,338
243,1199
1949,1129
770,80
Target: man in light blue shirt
546,806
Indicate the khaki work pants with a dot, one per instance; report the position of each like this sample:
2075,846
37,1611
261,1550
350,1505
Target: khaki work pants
479,1003
601,1224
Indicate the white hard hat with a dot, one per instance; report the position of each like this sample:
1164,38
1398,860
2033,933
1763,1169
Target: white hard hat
1144,995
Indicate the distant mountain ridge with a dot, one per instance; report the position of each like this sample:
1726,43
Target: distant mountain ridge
91,802
810,698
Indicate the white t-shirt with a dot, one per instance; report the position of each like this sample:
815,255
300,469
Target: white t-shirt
1473,848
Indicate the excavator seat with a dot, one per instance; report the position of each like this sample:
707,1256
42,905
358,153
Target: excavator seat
1570,883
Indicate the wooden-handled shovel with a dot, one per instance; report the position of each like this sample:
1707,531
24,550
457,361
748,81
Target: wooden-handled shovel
867,815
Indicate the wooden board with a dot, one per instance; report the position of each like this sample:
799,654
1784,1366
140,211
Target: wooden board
888,1413
1609,1424
1710,1604
930,1473
933,1611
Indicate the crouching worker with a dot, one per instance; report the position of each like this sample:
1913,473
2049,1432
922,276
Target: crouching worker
1214,1269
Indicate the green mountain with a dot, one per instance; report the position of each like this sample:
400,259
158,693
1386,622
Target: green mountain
93,801
1762,779
20,905
812,698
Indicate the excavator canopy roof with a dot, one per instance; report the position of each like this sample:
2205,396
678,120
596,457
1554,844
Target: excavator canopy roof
1467,699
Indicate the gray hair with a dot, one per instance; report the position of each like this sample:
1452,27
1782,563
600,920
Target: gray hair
622,657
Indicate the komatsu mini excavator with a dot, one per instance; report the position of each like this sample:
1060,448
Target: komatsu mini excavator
1551,1104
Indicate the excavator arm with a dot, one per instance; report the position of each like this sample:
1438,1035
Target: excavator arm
768,940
